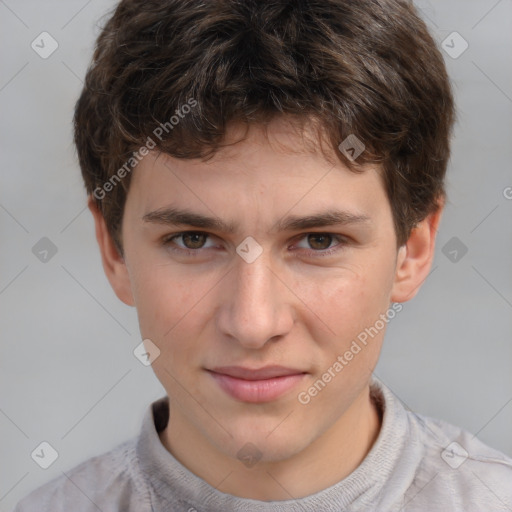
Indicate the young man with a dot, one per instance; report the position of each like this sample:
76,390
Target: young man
267,181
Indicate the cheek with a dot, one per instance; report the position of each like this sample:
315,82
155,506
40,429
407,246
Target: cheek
345,301
170,303
160,299
168,309
352,307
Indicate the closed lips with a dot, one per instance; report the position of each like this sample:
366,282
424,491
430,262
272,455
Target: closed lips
267,372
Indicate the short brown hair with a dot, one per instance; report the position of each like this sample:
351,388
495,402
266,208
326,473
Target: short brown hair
367,68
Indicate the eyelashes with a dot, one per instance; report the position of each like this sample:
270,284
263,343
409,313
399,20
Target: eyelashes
169,243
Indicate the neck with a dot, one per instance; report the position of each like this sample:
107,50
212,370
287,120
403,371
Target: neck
328,459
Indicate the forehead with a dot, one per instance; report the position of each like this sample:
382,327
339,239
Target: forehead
265,172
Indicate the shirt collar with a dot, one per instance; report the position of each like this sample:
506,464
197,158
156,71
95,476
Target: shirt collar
171,482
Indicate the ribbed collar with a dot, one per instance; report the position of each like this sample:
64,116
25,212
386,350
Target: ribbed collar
172,483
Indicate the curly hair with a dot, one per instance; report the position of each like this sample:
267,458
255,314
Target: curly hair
369,69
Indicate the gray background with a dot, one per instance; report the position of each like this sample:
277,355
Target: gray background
68,375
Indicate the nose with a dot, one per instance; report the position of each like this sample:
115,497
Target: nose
257,306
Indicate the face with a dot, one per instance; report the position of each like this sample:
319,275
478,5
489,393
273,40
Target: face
297,257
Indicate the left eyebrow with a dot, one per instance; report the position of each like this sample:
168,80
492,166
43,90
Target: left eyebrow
176,217
320,220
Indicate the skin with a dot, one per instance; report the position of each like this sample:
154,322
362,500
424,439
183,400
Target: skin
290,307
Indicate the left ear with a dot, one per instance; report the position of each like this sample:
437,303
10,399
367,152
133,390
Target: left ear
415,257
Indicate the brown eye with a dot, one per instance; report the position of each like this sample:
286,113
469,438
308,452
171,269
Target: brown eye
189,242
194,240
319,241
321,244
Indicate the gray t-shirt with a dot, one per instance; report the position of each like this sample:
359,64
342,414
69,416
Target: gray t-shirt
416,464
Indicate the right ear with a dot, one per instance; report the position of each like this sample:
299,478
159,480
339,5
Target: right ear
113,263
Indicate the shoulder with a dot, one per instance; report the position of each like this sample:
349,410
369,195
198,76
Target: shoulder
458,469
107,482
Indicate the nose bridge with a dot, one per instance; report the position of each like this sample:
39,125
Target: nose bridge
255,309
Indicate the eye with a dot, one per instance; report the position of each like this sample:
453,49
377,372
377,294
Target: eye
321,243
192,241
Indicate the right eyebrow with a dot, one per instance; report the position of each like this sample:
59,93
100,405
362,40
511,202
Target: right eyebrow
177,217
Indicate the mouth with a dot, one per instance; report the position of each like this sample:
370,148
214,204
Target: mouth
256,385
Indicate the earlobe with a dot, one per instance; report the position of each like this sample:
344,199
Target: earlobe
113,262
415,258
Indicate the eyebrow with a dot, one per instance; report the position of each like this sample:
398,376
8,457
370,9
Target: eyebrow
177,217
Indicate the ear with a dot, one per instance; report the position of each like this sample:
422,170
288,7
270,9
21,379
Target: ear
113,263
415,257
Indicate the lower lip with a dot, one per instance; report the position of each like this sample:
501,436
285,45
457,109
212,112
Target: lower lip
256,391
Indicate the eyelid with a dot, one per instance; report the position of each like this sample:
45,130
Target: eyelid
341,239
342,242
169,238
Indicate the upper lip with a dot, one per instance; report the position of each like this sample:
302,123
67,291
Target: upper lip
267,372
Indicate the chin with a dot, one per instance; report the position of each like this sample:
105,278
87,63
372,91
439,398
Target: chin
254,443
